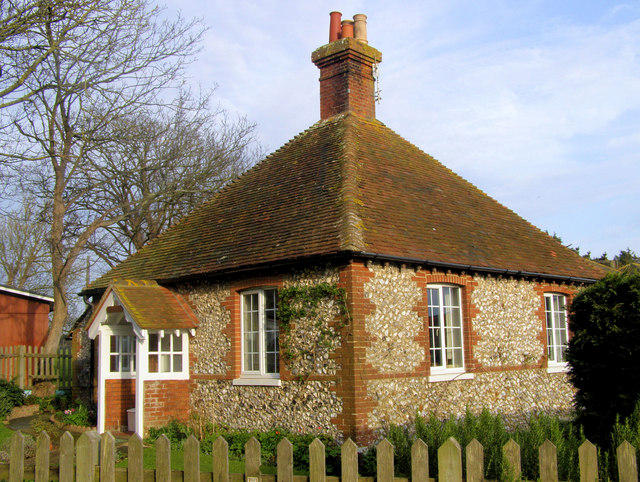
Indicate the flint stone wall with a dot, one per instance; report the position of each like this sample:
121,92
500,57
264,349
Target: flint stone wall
507,332
394,323
507,325
210,345
311,338
300,406
515,394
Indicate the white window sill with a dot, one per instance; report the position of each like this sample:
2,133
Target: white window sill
448,376
256,381
557,368
119,375
166,376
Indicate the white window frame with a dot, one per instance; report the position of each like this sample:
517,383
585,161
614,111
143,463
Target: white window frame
120,355
553,318
259,376
105,351
442,372
183,336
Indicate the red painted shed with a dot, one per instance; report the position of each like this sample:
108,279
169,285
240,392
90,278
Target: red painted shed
24,317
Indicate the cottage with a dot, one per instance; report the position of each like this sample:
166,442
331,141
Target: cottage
24,317
403,288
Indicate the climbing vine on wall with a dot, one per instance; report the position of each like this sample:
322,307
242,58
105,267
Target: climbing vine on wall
311,319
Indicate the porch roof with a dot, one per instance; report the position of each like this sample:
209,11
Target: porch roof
154,307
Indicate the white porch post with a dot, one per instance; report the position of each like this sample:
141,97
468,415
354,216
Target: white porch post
101,380
141,375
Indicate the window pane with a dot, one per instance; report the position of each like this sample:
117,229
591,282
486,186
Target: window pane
113,364
271,339
272,363
165,343
457,338
126,363
561,337
434,316
153,363
165,363
153,342
114,345
446,296
457,358
270,300
251,362
250,302
436,357
177,344
270,320
177,363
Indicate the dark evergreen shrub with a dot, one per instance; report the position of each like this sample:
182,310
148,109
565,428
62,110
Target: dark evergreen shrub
604,352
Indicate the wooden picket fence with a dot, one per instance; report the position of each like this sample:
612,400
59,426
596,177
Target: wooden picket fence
95,458
29,365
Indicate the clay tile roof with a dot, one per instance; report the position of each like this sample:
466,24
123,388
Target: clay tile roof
350,184
154,307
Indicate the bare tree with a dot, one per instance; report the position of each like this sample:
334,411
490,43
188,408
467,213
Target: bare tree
170,157
22,47
24,257
106,68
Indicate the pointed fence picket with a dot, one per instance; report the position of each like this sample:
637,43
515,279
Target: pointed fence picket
95,459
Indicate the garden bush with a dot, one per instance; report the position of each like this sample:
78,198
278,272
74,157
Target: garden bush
177,432
489,429
79,415
11,395
604,352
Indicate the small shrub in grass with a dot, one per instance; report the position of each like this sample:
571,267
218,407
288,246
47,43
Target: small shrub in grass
80,415
175,431
236,440
566,436
11,395
269,440
38,425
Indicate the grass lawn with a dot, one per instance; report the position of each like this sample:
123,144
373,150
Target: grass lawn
5,433
177,462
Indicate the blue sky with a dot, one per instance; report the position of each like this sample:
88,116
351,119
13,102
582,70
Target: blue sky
535,102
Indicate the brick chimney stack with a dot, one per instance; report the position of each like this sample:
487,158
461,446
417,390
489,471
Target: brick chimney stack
346,69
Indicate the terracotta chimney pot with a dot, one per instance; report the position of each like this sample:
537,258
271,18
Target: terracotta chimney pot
360,27
334,26
347,29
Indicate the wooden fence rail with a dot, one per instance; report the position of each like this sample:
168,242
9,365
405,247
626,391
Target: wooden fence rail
28,365
95,458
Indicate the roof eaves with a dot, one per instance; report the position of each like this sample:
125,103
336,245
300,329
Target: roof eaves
466,267
26,294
